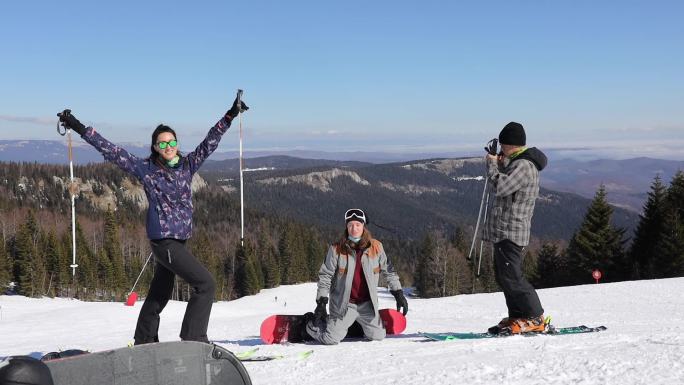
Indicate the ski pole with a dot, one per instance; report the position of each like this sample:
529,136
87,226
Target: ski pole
133,296
477,224
491,149
242,199
67,132
484,223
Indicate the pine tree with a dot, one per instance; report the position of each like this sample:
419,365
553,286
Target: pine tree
649,233
69,284
105,276
458,239
85,281
549,267
529,267
315,254
4,268
669,252
202,247
292,255
285,254
56,265
271,271
257,265
675,196
597,244
25,276
299,267
246,275
113,254
672,249
429,282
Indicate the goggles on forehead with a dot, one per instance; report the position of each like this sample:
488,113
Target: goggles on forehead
163,145
355,214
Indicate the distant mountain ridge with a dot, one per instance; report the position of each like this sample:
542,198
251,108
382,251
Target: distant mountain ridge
406,198
627,181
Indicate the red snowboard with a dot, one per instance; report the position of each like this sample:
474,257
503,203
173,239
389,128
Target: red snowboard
288,328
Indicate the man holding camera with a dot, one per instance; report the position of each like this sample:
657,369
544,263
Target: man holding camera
514,175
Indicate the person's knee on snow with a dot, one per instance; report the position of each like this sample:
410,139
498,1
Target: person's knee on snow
376,335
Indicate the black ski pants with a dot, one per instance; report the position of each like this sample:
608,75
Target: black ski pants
172,258
521,298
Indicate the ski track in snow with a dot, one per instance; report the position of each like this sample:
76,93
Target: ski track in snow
644,343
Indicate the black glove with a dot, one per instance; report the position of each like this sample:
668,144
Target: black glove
70,121
234,110
401,300
321,311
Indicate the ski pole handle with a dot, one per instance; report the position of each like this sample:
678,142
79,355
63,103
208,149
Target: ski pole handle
239,100
63,131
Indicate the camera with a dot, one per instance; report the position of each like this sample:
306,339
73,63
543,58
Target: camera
492,146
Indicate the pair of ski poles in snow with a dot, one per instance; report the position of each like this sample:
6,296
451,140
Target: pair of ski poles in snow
491,149
132,295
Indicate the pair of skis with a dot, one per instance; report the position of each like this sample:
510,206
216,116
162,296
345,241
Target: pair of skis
551,331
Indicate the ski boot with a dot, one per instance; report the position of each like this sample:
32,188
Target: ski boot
496,329
525,325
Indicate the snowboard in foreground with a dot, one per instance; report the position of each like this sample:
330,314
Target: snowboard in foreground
177,363
473,336
289,328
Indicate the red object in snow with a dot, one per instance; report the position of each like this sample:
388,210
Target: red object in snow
130,301
596,274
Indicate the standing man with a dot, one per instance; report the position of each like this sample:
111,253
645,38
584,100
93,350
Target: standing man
514,175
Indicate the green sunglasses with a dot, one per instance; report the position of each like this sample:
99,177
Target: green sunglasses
163,145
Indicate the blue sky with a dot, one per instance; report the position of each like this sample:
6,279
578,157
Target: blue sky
402,76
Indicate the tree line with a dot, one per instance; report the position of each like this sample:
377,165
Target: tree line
111,245
656,250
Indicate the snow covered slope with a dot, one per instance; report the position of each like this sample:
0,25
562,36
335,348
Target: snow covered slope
644,342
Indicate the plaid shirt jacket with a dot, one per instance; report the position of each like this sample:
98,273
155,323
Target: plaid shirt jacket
516,187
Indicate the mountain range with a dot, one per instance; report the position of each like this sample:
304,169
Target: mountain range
627,181
402,199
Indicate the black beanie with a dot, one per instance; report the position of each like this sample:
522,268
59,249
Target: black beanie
513,133
24,370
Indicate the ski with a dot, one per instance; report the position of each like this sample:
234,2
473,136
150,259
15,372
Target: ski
250,356
551,331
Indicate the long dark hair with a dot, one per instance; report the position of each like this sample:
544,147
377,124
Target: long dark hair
363,244
154,155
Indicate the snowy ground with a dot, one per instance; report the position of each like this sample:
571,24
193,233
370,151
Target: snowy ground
644,343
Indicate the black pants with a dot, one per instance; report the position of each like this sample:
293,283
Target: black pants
521,298
172,258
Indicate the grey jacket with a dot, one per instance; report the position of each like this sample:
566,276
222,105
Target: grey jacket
516,187
337,272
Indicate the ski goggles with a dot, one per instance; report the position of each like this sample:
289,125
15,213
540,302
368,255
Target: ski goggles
355,214
163,145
